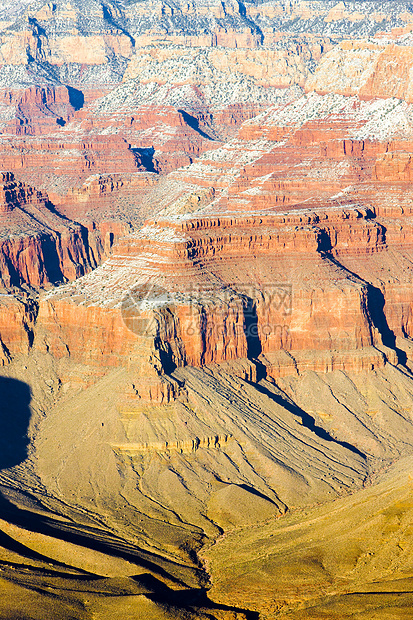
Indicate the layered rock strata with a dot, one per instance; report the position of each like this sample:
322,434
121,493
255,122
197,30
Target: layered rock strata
332,233
38,247
236,375
368,68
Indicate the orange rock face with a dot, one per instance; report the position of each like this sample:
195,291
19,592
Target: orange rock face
245,317
37,246
40,110
269,209
270,263
17,319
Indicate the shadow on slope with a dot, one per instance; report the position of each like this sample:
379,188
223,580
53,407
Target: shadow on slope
91,537
375,304
189,600
306,419
76,97
15,415
193,122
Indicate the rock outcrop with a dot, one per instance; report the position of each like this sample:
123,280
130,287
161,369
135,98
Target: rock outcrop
221,313
367,68
38,248
206,309
39,110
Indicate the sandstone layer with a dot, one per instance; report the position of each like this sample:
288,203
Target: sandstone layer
206,312
277,320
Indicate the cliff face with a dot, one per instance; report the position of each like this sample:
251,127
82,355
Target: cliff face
91,32
39,110
370,69
328,146
206,307
323,326
37,246
72,33
148,75
17,319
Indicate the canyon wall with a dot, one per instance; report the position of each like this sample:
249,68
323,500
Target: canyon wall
206,306
263,212
368,68
297,213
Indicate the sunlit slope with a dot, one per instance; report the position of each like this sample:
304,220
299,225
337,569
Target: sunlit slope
350,558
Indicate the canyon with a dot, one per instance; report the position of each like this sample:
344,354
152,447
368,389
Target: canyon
206,310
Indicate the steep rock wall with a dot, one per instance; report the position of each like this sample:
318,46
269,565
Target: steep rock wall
39,110
37,246
369,69
209,323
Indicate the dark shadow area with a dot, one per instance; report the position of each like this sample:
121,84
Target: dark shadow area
261,370
242,9
15,276
84,576
15,415
307,420
253,491
193,123
375,306
251,328
144,157
323,242
9,543
90,538
51,260
189,600
107,15
371,215
76,97
50,207
166,356
248,488
36,27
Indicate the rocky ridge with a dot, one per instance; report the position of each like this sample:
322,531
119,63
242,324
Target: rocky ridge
270,298
220,365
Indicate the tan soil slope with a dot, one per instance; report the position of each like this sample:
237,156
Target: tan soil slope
255,445
350,558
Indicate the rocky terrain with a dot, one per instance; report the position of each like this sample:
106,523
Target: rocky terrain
206,310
